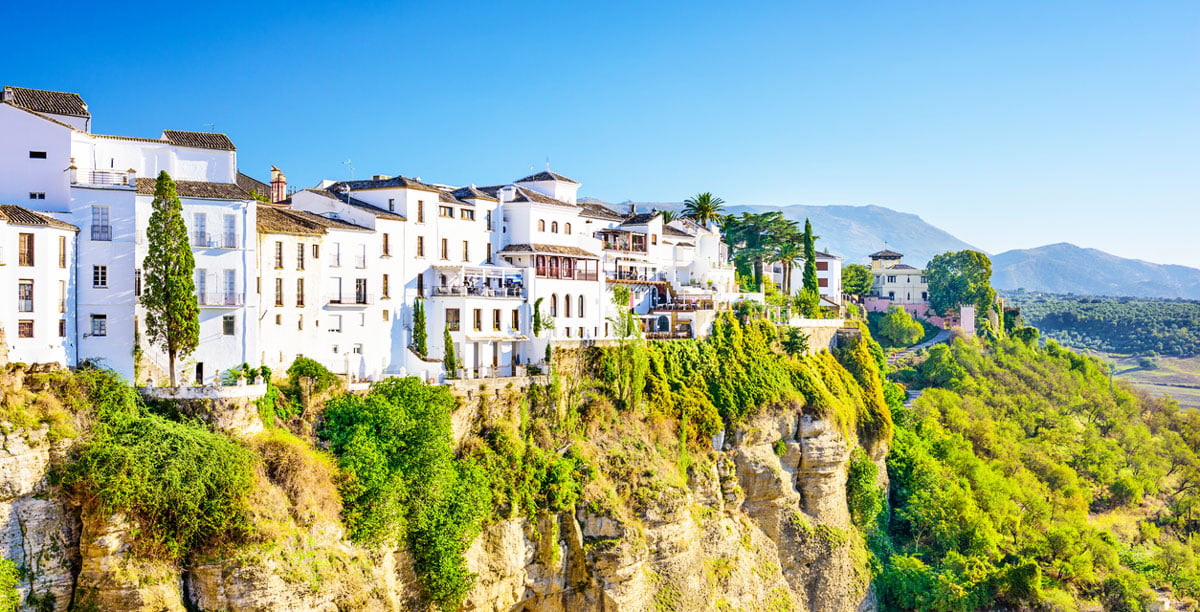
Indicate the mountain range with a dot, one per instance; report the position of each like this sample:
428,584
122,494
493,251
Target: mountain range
854,232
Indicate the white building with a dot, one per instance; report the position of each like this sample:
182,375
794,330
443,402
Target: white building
897,282
829,277
37,265
105,185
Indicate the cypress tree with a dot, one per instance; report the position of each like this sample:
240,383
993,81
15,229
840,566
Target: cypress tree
420,334
810,259
169,295
450,362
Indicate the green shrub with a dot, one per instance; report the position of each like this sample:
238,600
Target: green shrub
309,374
864,497
10,577
898,328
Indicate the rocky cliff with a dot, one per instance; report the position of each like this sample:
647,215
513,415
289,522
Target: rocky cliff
758,523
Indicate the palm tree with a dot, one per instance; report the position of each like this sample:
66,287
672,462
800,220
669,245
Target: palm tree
667,215
788,254
703,208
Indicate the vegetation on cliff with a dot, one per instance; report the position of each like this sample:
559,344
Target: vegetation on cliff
1021,477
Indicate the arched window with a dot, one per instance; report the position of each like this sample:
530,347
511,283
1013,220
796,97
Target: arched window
567,228
554,227
554,304
567,305
541,225
580,313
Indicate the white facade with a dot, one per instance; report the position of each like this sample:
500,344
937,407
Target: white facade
829,277
37,257
900,283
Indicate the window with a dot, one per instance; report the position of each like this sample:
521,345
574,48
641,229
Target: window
62,297
387,316
554,227
392,204
101,226
541,225
387,247
891,279
300,292
62,328
580,313
299,256
336,326
62,251
24,328
100,277
25,295
200,220
496,320
137,283
316,251
568,332
279,292
653,238
464,213
516,320
385,287
99,325
279,319
554,304
231,287
420,285
466,251
228,325
923,280
452,321
822,266
361,260
478,319
580,332
567,228
357,349
420,211
278,255
25,249
488,217
300,322
202,284
360,291
445,249
822,282
37,195
567,305
37,155
337,255
420,246
229,232
446,211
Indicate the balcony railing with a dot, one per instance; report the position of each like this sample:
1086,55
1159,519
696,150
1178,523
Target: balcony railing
559,273
102,232
512,292
102,177
351,300
630,275
229,241
624,248
221,300
202,239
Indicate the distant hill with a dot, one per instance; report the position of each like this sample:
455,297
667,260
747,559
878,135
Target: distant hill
852,232
1066,268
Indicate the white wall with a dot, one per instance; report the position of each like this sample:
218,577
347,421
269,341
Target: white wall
53,292
20,133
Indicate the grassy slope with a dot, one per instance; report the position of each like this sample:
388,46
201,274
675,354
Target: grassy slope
1174,376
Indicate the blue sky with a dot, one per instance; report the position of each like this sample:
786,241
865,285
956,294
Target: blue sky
1009,124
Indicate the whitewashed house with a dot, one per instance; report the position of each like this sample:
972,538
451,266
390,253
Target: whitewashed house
829,277
37,268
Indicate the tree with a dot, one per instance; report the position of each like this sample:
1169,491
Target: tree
808,303
703,208
963,277
668,216
898,327
857,279
169,295
810,258
754,238
420,334
624,324
450,362
787,254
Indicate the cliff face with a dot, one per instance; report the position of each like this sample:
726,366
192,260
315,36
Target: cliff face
760,524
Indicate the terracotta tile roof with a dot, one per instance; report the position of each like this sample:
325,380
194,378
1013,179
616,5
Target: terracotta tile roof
599,211
448,198
50,102
902,267
16,215
133,138
391,182
671,231
526,195
886,254
197,189
199,140
250,183
357,203
553,249
824,255
547,176
472,192
640,218
275,220
42,116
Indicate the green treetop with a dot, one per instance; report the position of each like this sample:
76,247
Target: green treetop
169,295
810,258
703,208
857,279
450,362
420,334
958,278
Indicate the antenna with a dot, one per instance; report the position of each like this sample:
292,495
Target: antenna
212,127
350,164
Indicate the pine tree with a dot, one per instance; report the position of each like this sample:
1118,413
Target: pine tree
169,295
810,259
451,361
420,334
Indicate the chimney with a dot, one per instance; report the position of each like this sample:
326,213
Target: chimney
278,185
632,208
